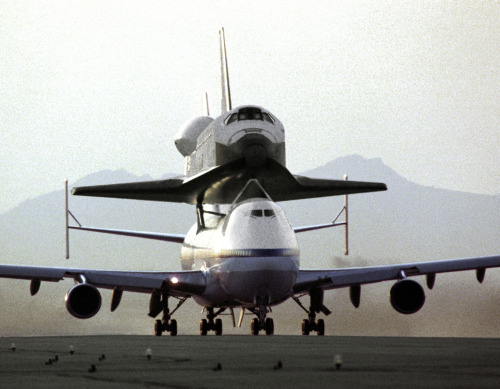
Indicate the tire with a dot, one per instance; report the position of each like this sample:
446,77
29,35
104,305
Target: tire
320,328
269,326
158,327
172,327
306,327
255,327
218,327
203,327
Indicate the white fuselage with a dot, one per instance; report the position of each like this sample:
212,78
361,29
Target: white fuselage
250,256
248,132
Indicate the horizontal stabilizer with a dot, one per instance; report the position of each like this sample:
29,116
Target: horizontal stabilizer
222,184
175,238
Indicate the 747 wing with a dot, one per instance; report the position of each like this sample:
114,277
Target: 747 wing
407,295
83,300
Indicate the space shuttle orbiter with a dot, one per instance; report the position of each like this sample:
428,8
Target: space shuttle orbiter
222,154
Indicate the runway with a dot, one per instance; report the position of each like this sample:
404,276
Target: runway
248,361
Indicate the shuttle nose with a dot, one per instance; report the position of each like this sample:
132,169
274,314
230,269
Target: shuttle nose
254,146
255,155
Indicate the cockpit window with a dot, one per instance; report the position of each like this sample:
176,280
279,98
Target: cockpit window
269,212
232,118
262,212
268,118
250,113
256,213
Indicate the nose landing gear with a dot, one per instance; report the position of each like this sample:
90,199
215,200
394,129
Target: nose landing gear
261,323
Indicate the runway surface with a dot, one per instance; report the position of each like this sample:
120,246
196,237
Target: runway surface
248,361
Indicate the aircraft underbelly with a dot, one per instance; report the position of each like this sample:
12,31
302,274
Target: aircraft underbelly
257,280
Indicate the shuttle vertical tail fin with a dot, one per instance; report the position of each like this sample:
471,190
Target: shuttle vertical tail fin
226,92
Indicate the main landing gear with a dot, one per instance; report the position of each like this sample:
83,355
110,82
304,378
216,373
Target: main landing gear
159,303
310,324
164,326
209,324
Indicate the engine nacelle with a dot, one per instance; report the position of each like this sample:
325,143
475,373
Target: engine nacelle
187,136
83,301
407,296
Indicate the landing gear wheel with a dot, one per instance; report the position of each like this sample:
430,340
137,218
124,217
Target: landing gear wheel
158,327
320,327
269,326
218,327
255,326
306,327
203,327
172,327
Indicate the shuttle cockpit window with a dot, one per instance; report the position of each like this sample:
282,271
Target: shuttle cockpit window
232,118
268,118
249,114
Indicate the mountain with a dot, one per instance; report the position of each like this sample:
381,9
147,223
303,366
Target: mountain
409,222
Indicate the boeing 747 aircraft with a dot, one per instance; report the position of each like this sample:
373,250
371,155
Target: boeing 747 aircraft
242,251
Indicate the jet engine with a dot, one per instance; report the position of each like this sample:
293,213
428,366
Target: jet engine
187,136
83,301
407,296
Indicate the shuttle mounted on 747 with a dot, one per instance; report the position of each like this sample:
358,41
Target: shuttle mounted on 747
242,251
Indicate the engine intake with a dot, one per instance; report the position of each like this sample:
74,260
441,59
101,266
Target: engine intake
407,296
83,301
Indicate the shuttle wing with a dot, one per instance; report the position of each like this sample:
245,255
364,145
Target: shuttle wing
222,184
180,283
340,278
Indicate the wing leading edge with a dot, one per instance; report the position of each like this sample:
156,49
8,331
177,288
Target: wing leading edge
340,278
181,283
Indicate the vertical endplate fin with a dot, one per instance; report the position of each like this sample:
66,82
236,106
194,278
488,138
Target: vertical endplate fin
346,221
66,217
226,92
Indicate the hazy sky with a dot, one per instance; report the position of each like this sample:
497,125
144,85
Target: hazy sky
87,86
